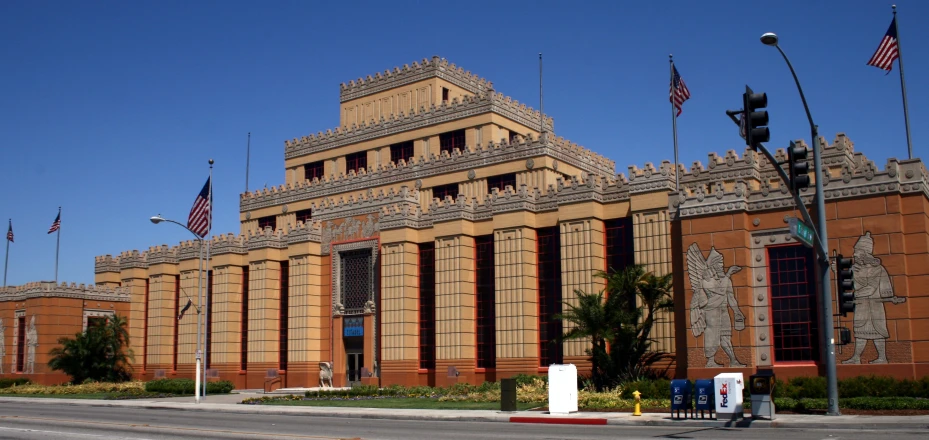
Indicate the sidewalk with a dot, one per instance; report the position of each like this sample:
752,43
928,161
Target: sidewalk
229,403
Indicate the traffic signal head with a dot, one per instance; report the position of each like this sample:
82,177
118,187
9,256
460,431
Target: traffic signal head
799,167
845,284
756,118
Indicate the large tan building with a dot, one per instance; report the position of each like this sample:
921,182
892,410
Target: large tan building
435,234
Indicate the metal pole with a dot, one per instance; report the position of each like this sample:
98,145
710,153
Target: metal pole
199,321
57,244
541,103
6,261
248,156
677,183
825,284
206,303
906,111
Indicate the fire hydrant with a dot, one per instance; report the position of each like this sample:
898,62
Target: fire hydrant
637,411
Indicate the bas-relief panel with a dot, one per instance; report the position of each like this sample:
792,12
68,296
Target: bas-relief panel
713,297
349,229
873,290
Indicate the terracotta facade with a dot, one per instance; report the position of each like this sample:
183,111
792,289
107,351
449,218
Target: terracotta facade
432,241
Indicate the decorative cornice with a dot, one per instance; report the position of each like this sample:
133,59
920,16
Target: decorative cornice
63,290
459,160
490,102
266,238
132,259
427,68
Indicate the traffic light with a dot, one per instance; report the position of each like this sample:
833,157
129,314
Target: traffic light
845,284
799,167
756,118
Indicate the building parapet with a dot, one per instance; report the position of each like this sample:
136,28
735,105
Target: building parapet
266,238
485,102
106,263
49,289
162,255
427,68
467,158
132,259
850,175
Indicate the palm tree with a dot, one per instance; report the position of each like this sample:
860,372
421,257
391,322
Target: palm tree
95,354
592,321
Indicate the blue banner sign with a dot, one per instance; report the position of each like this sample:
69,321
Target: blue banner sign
353,327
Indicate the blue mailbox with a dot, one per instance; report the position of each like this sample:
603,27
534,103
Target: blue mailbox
706,396
681,397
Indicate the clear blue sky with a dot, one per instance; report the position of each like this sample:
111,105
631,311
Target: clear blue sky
112,109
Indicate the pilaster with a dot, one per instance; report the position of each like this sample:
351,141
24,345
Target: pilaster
516,300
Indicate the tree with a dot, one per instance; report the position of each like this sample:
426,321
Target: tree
97,354
623,320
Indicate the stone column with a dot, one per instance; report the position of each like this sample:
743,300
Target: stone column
454,307
400,307
161,319
226,309
582,254
263,318
136,280
309,315
517,301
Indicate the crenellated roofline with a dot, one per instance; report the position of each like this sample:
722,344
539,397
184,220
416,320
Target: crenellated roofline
469,158
426,68
489,102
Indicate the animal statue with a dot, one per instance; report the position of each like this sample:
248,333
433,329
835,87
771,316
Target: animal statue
325,374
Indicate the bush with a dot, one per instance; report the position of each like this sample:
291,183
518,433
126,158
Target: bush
132,388
96,354
650,389
12,382
186,386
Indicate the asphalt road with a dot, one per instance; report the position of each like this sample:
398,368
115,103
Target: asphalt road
44,421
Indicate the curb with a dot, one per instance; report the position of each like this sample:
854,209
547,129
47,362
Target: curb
882,423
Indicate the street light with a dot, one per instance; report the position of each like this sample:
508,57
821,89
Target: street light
156,220
771,39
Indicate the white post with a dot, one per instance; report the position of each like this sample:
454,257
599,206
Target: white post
197,380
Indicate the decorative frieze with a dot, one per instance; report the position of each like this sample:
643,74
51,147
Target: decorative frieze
64,290
459,160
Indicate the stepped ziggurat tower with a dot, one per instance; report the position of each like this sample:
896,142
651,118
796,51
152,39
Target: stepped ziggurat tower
434,236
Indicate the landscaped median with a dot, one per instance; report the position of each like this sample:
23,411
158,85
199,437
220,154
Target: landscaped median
113,391
861,395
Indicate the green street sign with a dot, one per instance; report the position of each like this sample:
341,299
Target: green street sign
801,231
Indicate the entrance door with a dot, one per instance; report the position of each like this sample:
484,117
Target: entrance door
354,364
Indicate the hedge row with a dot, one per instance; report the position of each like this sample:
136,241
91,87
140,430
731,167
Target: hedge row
8,382
186,386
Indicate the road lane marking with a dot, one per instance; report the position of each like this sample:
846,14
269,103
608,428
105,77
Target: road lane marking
139,425
71,434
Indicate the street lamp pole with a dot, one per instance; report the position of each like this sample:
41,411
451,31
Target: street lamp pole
158,219
825,284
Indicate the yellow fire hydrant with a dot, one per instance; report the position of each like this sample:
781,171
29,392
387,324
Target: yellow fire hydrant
637,411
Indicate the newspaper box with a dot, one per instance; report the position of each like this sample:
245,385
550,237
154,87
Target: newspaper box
728,388
562,389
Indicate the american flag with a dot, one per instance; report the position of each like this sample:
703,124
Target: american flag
200,216
9,232
887,52
55,224
679,91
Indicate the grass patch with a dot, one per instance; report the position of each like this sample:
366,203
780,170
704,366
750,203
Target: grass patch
400,403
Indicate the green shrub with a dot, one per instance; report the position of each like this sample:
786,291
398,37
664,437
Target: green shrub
186,386
527,379
11,382
650,389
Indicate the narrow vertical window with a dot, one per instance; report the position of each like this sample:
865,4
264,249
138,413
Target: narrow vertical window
209,317
444,94
177,308
243,360
549,276
285,313
21,345
486,303
793,304
427,306
620,252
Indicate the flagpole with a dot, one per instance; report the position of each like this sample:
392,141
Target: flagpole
541,103
906,111
677,183
248,155
206,303
57,244
6,261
